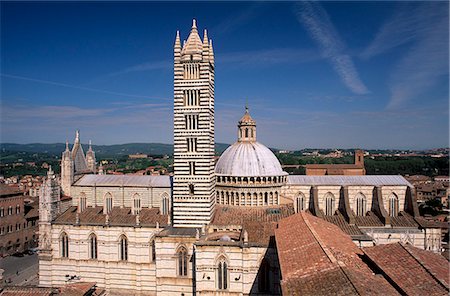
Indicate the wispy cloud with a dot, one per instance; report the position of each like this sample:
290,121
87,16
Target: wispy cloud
60,84
426,61
147,66
409,23
319,26
269,56
239,18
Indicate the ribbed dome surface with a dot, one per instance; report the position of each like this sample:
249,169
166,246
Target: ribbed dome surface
250,159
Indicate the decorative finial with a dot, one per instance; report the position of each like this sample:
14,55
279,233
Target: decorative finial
246,106
67,145
194,24
77,136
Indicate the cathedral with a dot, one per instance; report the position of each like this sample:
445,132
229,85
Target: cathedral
208,229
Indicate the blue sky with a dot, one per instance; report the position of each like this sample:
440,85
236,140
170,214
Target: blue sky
321,74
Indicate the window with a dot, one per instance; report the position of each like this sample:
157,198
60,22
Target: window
83,201
191,121
191,168
360,205
300,202
393,205
123,244
153,250
136,204
191,144
165,204
182,262
2,212
191,97
18,209
191,70
191,189
329,204
64,245
93,246
264,277
222,274
108,203
10,210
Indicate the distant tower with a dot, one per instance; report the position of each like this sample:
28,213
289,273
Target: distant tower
359,157
90,158
194,179
67,171
49,202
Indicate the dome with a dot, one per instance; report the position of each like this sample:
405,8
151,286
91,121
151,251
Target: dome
248,159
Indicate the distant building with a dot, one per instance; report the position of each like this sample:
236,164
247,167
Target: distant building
137,156
356,169
18,221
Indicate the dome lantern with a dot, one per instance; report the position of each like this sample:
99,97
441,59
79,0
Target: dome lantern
247,128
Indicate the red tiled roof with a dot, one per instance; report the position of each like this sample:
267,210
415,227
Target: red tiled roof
414,271
27,291
118,216
6,190
259,222
317,258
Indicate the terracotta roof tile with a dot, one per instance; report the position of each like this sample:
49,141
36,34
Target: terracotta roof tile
402,265
317,258
259,222
117,217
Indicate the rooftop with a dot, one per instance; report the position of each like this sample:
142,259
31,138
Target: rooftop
124,180
370,180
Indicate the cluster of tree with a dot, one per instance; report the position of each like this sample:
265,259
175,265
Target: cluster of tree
417,165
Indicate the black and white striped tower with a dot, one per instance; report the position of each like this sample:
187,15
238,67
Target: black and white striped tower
194,179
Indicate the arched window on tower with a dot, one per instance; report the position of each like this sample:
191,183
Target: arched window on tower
264,277
93,246
360,204
182,261
300,202
64,245
222,274
329,204
123,248
393,205
246,132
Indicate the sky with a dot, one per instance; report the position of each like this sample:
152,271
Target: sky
371,75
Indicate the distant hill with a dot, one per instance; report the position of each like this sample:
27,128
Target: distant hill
101,151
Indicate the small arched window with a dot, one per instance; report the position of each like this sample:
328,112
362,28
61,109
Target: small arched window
222,274
153,250
393,205
93,246
360,204
83,201
64,245
182,261
329,204
108,203
264,277
300,202
246,132
136,204
123,246
165,206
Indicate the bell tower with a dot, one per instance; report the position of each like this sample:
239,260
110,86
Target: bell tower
194,178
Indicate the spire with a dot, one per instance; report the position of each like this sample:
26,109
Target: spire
205,38
90,145
177,41
77,136
67,145
193,44
211,52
